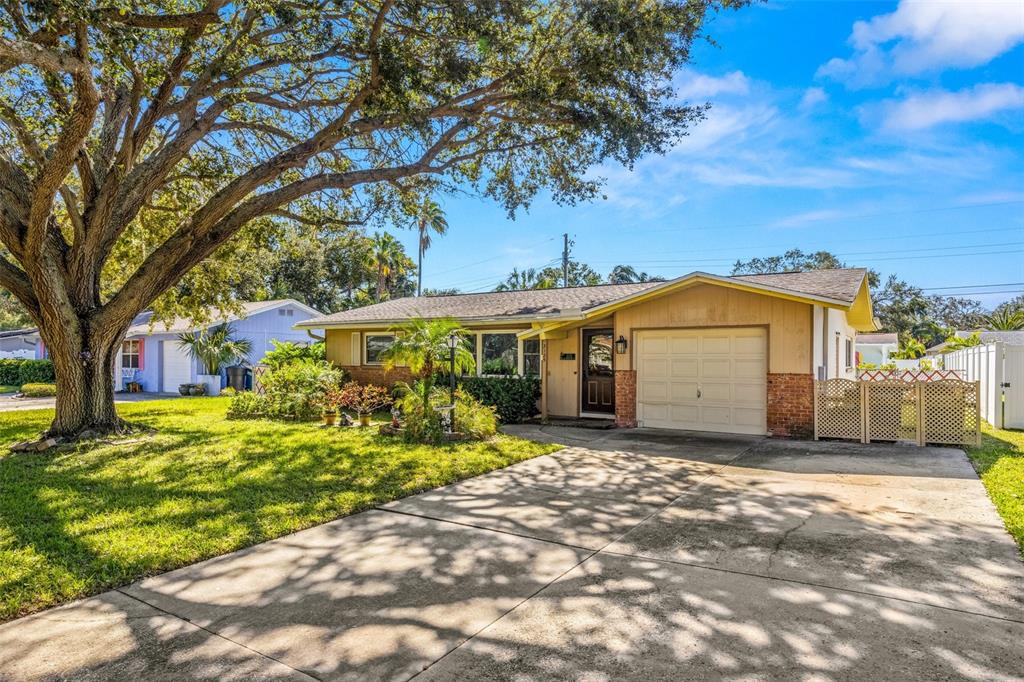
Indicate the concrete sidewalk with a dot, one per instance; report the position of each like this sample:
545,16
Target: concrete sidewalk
628,555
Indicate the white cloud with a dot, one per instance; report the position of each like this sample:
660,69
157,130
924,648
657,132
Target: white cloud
812,98
934,107
798,219
694,86
926,36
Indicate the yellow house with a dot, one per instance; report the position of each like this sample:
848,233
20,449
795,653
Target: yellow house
701,352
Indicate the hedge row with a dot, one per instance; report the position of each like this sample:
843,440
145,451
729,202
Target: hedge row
19,372
515,398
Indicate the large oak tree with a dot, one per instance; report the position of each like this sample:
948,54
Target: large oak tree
140,136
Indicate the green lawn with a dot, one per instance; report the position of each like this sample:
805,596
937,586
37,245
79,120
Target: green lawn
4,388
76,522
999,460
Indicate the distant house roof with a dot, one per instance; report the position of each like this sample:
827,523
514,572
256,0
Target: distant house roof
885,338
1008,338
141,324
830,286
11,333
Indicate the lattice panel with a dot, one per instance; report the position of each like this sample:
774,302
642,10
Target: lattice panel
838,409
951,412
891,411
257,379
908,375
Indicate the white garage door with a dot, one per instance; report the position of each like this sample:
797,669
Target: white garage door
176,367
703,379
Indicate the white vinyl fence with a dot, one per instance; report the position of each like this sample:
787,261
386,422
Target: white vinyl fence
1000,371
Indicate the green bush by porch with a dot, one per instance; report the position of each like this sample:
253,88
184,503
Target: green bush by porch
17,372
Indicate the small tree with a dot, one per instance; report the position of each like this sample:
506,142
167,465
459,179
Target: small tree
910,349
422,346
1005,320
955,342
215,347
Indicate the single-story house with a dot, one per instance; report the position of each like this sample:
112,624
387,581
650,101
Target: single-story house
19,344
1010,338
151,356
874,349
700,352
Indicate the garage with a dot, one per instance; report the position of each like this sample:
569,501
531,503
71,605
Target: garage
175,368
703,379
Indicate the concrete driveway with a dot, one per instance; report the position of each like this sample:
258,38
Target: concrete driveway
628,555
8,403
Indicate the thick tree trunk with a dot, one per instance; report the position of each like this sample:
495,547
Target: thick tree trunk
84,368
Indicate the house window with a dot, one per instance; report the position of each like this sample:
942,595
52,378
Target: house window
498,353
531,357
849,353
375,346
131,357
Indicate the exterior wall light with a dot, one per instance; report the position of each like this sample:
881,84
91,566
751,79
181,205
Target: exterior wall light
621,344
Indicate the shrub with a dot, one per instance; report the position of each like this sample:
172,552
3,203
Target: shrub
364,399
514,398
39,390
248,406
228,392
297,390
18,372
423,424
288,351
473,418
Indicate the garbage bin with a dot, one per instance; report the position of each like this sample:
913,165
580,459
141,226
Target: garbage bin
236,377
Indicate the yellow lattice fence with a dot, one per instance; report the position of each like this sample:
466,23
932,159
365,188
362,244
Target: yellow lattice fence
838,409
940,411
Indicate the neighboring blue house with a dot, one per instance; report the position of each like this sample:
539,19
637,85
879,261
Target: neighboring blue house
154,359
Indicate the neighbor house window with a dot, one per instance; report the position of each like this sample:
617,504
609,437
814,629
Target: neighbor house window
375,346
499,353
849,353
131,354
531,357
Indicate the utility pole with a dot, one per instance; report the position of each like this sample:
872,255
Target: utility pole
565,259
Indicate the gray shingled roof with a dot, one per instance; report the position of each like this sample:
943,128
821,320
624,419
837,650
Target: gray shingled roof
1015,338
841,285
141,324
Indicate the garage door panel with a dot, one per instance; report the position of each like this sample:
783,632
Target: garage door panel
682,391
716,344
716,369
716,392
653,345
176,367
684,368
684,345
727,366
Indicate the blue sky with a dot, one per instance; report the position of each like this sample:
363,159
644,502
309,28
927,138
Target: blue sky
888,133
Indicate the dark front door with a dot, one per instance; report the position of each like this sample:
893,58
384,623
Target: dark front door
598,378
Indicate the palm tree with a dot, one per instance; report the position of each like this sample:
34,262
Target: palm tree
215,347
627,274
430,218
422,347
519,280
386,260
1005,320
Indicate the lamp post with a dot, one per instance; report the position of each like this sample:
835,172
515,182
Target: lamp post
453,342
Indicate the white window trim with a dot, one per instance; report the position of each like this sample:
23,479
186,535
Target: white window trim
366,336
478,353
521,368
137,353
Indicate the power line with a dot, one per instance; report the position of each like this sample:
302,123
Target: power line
973,286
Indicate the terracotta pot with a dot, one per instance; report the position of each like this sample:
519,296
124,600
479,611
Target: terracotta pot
364,420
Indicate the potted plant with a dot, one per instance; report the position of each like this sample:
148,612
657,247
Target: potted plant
183,389
332,398
213,348
364,400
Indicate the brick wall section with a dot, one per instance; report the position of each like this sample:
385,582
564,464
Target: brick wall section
791,405
369,374
625,398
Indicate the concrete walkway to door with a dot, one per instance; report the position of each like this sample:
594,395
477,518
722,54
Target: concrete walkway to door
636,554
